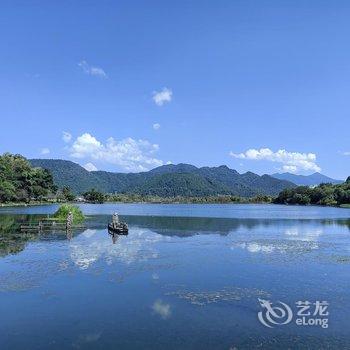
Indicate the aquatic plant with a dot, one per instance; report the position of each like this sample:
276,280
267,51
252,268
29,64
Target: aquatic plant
65,209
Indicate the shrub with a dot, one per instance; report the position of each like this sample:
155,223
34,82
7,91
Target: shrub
64,210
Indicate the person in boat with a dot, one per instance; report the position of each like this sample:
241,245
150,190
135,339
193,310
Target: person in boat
115,220
117,225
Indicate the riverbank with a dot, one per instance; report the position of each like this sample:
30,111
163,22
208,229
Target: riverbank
137,199
124,199
175,201
23,204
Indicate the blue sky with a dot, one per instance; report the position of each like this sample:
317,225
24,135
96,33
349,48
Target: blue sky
256,85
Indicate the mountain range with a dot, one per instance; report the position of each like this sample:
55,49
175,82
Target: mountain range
309,180
165,181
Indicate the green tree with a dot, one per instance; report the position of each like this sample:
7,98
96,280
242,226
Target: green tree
324,194
94,196
19,181
67,194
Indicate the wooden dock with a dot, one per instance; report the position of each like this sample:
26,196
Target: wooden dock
50,225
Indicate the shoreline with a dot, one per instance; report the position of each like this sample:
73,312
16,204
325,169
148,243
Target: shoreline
34,204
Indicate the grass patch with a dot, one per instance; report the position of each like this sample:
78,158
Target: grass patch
64,210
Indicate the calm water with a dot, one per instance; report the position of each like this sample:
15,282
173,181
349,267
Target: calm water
186,277
198,210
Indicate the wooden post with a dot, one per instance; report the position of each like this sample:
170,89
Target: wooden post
69,221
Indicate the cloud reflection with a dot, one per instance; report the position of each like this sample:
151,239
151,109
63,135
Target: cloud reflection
256,247
162,309
155,276
276,246
304,234
90,247
85,339
292,240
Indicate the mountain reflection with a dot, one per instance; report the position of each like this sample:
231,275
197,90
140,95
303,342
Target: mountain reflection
190,226
90,244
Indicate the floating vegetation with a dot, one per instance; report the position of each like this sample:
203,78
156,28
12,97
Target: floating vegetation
337,259
227,294
342,259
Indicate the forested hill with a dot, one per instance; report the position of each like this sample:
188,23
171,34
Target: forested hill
165,181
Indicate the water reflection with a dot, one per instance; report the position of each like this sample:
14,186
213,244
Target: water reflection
93,245
162,309
174,278
298,237
274,246
304,234
86,339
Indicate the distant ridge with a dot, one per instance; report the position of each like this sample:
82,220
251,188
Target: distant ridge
165,181
306,180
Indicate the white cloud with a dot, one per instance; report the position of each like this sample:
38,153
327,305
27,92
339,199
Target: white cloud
162,309
90,167
156,126
91,70
290,168
66,136
129,154
346,153
44,151
86,145
160,97
292,161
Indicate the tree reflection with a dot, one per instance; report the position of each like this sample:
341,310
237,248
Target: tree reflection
13,241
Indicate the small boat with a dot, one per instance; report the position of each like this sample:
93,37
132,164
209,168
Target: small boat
120,229
116,226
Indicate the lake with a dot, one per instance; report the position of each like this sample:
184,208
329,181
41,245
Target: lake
185,277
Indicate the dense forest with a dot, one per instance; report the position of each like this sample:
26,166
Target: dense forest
21,182
324,194
171,180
